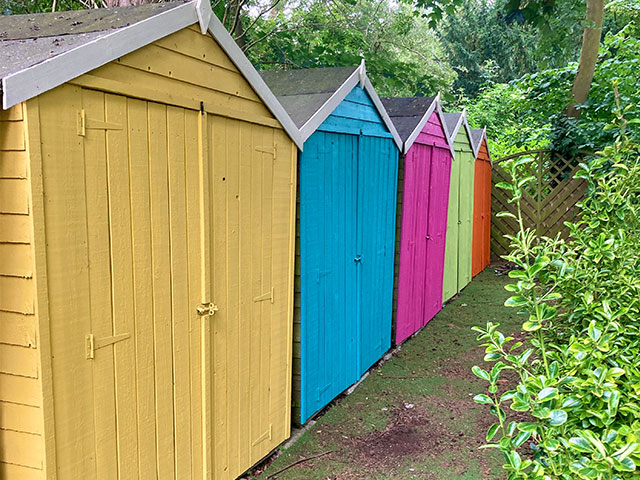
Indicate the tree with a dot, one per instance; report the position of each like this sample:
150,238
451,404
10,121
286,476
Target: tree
403,56
483,48
588,56
540,13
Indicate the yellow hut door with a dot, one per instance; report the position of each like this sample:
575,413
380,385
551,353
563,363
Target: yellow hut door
126,210
252,199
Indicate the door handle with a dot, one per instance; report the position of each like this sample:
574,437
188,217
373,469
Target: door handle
357,259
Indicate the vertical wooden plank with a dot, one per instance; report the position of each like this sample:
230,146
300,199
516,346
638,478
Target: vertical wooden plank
272,328
161,255
122,283
282,271
251,216
242,367
142,285
206,289
68,281
222,203
195,266
100,286
179,291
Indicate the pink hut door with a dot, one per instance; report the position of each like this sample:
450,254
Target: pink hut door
413,242
425,205
436,230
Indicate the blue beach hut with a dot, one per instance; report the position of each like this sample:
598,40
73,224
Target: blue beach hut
348,173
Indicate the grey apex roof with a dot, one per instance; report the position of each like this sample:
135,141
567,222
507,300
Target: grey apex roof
451,120
406,112
26,40
476,137
302,92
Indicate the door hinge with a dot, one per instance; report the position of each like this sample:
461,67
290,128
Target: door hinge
83,124
93,343
265,296
270,150
266,435
206,309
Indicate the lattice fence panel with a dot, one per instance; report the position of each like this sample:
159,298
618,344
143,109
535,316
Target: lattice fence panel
546,203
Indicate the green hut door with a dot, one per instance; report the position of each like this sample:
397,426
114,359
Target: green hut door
465,217
450,281
459,242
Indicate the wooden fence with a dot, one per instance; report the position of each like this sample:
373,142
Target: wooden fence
546,204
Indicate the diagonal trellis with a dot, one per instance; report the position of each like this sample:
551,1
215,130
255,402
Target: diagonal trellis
546,204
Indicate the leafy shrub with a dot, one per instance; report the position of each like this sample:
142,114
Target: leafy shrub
578,368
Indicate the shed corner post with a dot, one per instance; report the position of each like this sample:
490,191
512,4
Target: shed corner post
31,113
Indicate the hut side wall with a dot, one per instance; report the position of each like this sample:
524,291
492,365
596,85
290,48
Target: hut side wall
21,422
125,201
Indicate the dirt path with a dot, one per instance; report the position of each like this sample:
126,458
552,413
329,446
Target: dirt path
413,417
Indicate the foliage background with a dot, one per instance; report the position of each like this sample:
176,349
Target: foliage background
512,71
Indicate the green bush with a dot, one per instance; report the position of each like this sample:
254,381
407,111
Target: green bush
577,369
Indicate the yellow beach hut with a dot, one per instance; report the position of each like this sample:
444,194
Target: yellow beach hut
147,218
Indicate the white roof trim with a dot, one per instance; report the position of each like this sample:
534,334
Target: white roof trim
330,105
55,71
204,11
463,121
382,111
359,76
444,129
363,73
437,107
241,61
484,137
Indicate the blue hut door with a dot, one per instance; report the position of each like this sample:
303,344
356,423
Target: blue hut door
377,182
328,199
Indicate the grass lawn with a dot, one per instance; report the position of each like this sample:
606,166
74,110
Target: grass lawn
413,417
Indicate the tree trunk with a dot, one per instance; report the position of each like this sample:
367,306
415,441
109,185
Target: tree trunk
588,56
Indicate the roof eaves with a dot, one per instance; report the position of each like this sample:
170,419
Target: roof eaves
416,131
444,127
311,125
381,110
241,61
37,79
463,121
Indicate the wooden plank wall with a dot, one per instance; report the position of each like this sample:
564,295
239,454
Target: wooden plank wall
178,70
251,202
21,424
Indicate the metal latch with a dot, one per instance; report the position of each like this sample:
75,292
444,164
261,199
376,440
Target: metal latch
206,309
93,343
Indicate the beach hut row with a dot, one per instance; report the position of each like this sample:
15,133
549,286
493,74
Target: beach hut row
189,248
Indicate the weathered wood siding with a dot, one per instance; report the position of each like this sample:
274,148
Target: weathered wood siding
21,424
153,207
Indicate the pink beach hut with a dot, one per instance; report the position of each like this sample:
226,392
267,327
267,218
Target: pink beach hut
427,156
